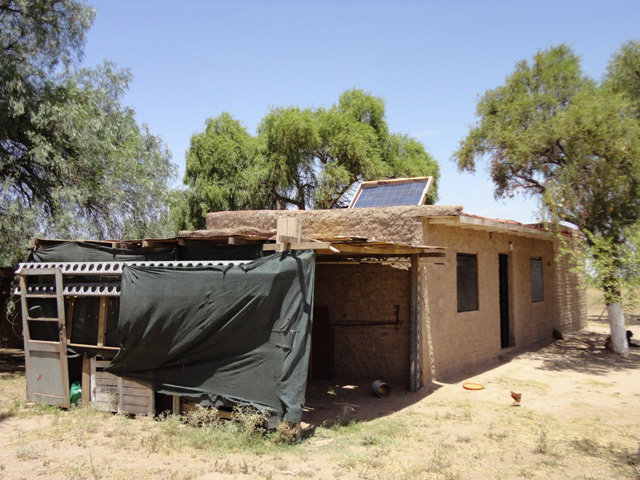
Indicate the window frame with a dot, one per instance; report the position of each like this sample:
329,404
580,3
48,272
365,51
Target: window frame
476,290
537,296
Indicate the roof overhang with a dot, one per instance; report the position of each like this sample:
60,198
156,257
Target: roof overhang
474,222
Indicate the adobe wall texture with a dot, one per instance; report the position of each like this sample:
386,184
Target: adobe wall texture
572,296
367,293
463,339
458,340
388,224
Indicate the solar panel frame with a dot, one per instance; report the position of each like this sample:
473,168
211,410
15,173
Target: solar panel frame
394,192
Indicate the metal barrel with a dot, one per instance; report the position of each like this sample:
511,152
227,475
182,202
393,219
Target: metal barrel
380,389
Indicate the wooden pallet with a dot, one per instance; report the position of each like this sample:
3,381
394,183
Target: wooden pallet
115,394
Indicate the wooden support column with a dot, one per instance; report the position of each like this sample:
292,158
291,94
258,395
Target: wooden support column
102,321
86,380
415,331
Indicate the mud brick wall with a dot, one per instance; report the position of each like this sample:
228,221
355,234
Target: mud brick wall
387,224
462,340
572,297
367,293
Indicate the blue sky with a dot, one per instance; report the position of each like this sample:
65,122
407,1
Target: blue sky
428,60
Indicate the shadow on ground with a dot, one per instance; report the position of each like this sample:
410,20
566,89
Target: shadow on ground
584,352
11,362
329,402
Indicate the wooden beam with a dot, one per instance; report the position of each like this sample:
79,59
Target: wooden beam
271,247
489,225
69,318
86,380
289,230
102,321
378,250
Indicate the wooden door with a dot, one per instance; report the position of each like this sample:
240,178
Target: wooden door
45,356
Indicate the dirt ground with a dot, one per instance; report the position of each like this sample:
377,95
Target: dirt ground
579,419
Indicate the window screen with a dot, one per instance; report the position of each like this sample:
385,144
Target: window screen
537,282
467,278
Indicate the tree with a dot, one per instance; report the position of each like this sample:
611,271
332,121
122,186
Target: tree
221,171
553,133
314,158
73,160
300,158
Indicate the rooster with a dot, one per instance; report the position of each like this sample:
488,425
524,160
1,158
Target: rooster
516,397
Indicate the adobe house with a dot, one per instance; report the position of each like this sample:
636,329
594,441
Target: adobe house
411,316
405,294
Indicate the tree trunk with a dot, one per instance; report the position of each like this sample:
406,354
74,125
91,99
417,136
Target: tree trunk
618,332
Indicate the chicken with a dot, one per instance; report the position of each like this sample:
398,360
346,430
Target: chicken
516,397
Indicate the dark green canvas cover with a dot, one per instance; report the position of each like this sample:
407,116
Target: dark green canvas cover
87,252
191,250
221,335
203,250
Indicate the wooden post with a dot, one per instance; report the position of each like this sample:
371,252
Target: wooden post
415,332
176,405
86,380
69,319
289,231
102,321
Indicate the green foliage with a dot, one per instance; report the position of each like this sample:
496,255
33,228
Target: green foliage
623,75
300,158
73,160
552,132
222,171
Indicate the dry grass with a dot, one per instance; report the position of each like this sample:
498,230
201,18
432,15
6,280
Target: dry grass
449,435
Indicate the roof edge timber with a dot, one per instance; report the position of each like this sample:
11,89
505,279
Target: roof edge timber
477,222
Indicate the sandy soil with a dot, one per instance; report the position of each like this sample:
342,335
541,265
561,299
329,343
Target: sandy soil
579,418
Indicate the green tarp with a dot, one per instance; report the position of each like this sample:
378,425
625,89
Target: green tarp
221,335
191,250
87,252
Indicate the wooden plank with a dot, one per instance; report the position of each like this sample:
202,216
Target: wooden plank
86,380
271,247
39,272
26,336
120,396
136,410
135,391
129,400
152,402
95,347
427,189
489,225
380,250
92,379
43,346
102,321
289,230
70,319
135,384
103,376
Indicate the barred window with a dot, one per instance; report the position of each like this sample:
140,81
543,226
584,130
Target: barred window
467,280
537,280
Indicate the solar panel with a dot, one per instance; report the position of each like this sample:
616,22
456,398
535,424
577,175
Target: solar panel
391,193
